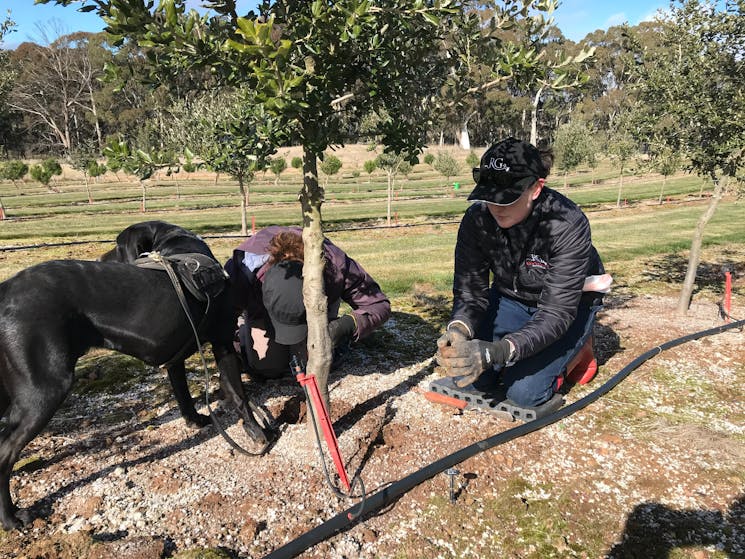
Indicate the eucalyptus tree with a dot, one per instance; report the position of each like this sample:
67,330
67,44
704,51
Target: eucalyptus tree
7,78
692,97
56,85
550,64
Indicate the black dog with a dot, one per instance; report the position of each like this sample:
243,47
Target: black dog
53,313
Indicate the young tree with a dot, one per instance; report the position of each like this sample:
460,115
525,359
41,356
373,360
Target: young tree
277,166
622,148
667,162
392,164
82,160
297,162
691,97
135,162
572,146
45,172
241,144
370,165
472,160
315,66
330,166
447,166
13,171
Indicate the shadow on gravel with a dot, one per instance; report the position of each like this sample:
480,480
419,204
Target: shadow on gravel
671,268
655,531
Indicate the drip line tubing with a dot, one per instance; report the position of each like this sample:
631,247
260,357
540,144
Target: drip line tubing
391,492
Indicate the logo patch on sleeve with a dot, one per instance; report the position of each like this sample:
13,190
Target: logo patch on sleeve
535,261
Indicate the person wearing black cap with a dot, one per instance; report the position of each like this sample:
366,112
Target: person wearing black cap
534,323
266,274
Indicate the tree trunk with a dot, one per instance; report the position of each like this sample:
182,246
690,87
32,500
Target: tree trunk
2,210
694,257
534,117
316,303
566,174
143,203
620,188
244,206
662,190
88,188
465,139
390,195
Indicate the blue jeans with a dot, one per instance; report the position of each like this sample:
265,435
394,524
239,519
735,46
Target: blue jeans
532,381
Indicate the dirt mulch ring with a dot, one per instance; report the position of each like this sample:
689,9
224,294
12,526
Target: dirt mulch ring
656,465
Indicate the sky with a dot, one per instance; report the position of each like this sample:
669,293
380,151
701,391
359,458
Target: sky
575,18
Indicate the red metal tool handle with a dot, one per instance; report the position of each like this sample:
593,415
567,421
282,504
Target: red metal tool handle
322,416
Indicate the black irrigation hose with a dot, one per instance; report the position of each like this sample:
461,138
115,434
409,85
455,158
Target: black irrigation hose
391,492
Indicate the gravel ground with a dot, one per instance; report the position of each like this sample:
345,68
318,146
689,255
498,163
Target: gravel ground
661,459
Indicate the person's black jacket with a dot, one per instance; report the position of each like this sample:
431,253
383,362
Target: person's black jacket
541,262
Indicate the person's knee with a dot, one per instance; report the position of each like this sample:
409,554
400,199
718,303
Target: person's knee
528,393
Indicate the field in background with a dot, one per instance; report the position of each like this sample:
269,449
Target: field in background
642,243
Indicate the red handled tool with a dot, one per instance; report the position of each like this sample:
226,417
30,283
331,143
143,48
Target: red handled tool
310,385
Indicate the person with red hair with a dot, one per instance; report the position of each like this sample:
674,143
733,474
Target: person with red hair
266,274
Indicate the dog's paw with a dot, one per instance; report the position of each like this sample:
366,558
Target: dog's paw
15,521
198,421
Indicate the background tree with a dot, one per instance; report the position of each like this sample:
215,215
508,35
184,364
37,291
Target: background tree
55,86
572,146
666,162
13,171
447,166
135,162
46,171
330,166
297,162
370,165
622,148
692,97
8,74
392,164
82,160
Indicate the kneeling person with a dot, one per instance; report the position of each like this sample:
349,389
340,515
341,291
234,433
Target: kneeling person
266,273
535,322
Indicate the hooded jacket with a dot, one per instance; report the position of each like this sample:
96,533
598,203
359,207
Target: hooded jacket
344,279
541,262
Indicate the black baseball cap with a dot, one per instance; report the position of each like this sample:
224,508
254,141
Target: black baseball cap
506,170
282,294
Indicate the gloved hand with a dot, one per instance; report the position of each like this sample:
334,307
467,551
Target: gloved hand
469,359
456,332
341,328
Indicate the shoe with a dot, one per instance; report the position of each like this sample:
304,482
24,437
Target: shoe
584,366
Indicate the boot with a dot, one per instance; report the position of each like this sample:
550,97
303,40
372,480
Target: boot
584,366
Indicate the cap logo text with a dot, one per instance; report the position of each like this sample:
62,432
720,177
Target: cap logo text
498,164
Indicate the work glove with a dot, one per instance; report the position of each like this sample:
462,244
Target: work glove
470,358
342,329
456,332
